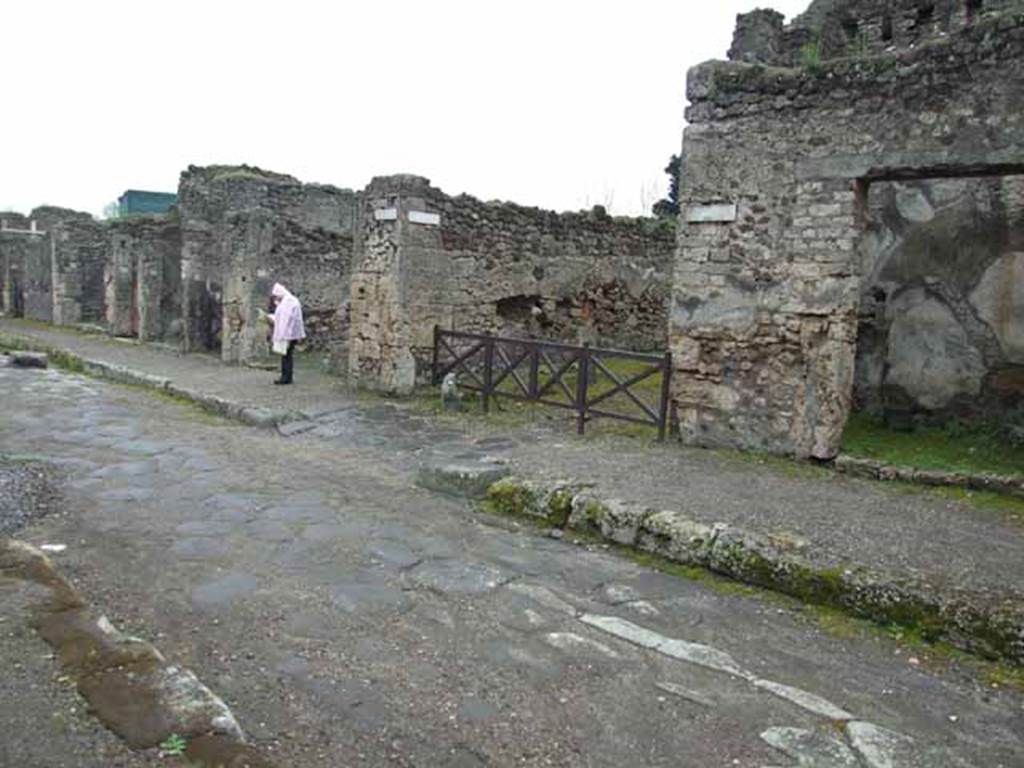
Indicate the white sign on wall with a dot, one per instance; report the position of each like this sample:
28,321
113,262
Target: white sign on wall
711,213
386,214
422,217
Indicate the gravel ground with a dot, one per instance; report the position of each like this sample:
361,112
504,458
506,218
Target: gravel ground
28,491
45,722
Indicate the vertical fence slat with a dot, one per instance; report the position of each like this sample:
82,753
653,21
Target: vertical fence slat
534,392
581,388
666,393
433,363
488,372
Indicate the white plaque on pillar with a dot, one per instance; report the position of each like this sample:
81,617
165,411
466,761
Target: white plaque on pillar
386,214
711,213
422,217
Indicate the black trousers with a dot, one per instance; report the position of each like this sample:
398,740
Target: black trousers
287,363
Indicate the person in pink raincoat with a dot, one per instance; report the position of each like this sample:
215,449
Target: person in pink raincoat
288,329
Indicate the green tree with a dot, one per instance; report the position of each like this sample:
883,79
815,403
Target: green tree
669,206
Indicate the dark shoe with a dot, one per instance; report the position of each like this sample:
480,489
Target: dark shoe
281,381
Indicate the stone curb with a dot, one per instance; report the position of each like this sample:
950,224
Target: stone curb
253,416
989,624
877,470
129,684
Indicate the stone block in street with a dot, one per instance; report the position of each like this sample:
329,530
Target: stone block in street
26,359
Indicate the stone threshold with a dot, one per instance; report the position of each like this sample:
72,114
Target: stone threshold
986,623
130,685
878,470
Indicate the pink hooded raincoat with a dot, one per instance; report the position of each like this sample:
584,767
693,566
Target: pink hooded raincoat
287,317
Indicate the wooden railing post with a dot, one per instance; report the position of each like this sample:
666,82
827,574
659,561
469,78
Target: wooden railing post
534,385
581,389
488,372
666,393
433,363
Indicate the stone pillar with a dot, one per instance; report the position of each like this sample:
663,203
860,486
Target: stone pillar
149,289
379,353
766,289
119,282
65,279
399,267
249,240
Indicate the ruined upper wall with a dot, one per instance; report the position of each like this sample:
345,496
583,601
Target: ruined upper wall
428,258
12,220
243,229
61,249
949,105
832,29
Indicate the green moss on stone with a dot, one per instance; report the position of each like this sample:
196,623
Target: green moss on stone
510,496
560,507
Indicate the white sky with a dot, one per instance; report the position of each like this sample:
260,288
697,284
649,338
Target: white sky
561,104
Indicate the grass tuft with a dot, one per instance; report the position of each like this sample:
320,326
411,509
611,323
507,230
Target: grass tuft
954,448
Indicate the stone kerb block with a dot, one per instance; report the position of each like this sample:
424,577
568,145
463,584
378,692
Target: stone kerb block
676,537
25,359
613,519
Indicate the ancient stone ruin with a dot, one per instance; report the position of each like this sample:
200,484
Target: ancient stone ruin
851,235
244,229
375,270
427,259
850,214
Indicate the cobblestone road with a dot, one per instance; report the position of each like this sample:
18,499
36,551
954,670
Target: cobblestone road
351,618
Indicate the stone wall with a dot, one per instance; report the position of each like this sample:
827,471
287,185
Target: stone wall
13,247
143,277
941,329
502,268
777,164
79,256
20,246
244,229
31,270
832,29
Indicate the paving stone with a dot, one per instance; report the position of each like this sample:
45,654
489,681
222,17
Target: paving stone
200,549
822,748
271,531
458,577
475,710
393,553
357,598
224,589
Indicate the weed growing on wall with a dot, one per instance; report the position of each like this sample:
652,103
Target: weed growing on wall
810,55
